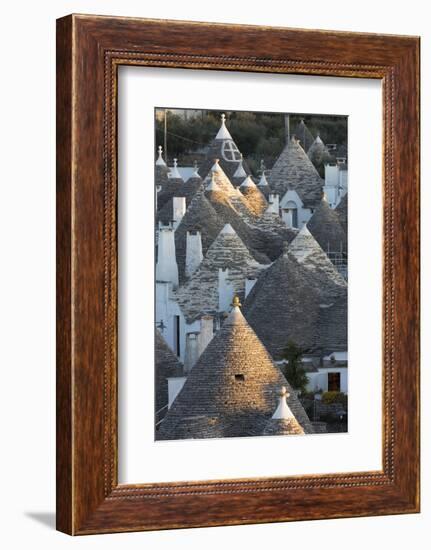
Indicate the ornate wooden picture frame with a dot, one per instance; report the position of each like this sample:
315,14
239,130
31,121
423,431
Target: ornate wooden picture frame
89,51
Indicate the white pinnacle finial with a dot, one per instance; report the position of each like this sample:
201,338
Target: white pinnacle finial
160,161
283,412
195,171
248,182
240,172
304,230
215,167
223,133
228,230
213,184
175,173
263,182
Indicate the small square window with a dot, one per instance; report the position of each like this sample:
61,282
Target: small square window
239,378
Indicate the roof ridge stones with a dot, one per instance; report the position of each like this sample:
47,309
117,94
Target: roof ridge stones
294,170
232,389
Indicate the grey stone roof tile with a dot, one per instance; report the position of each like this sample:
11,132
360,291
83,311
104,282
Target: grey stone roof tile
303,134
342,212
199,295
294,170
200,216
319,154
252,238
166,365
326,228
232,391
284,304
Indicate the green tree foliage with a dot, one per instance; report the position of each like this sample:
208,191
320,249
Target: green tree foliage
259,136
293,370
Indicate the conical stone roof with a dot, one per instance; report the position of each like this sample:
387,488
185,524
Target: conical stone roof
273,234
223,147
167,365
232,389
284,304
169,188
283,421
239,175
263,185
303,134
319,155
200,216
294,170
254,196
161,176
251,237
326,228
333,326
238,201
342,212
199,295
305,248
188,190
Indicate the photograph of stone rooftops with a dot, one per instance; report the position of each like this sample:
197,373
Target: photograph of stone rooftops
251,274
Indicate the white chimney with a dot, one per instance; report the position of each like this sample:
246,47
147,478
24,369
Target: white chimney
158,189
194,254
274,203
207,332
249,284
179,209
225,290
287,217
166,267
191,354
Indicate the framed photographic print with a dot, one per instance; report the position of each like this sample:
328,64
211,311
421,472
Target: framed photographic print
237,274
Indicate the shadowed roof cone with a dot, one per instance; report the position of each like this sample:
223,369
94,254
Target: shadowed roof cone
326,228
318,153
166,365
303,134
200,216
342,211
301,280
232,390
